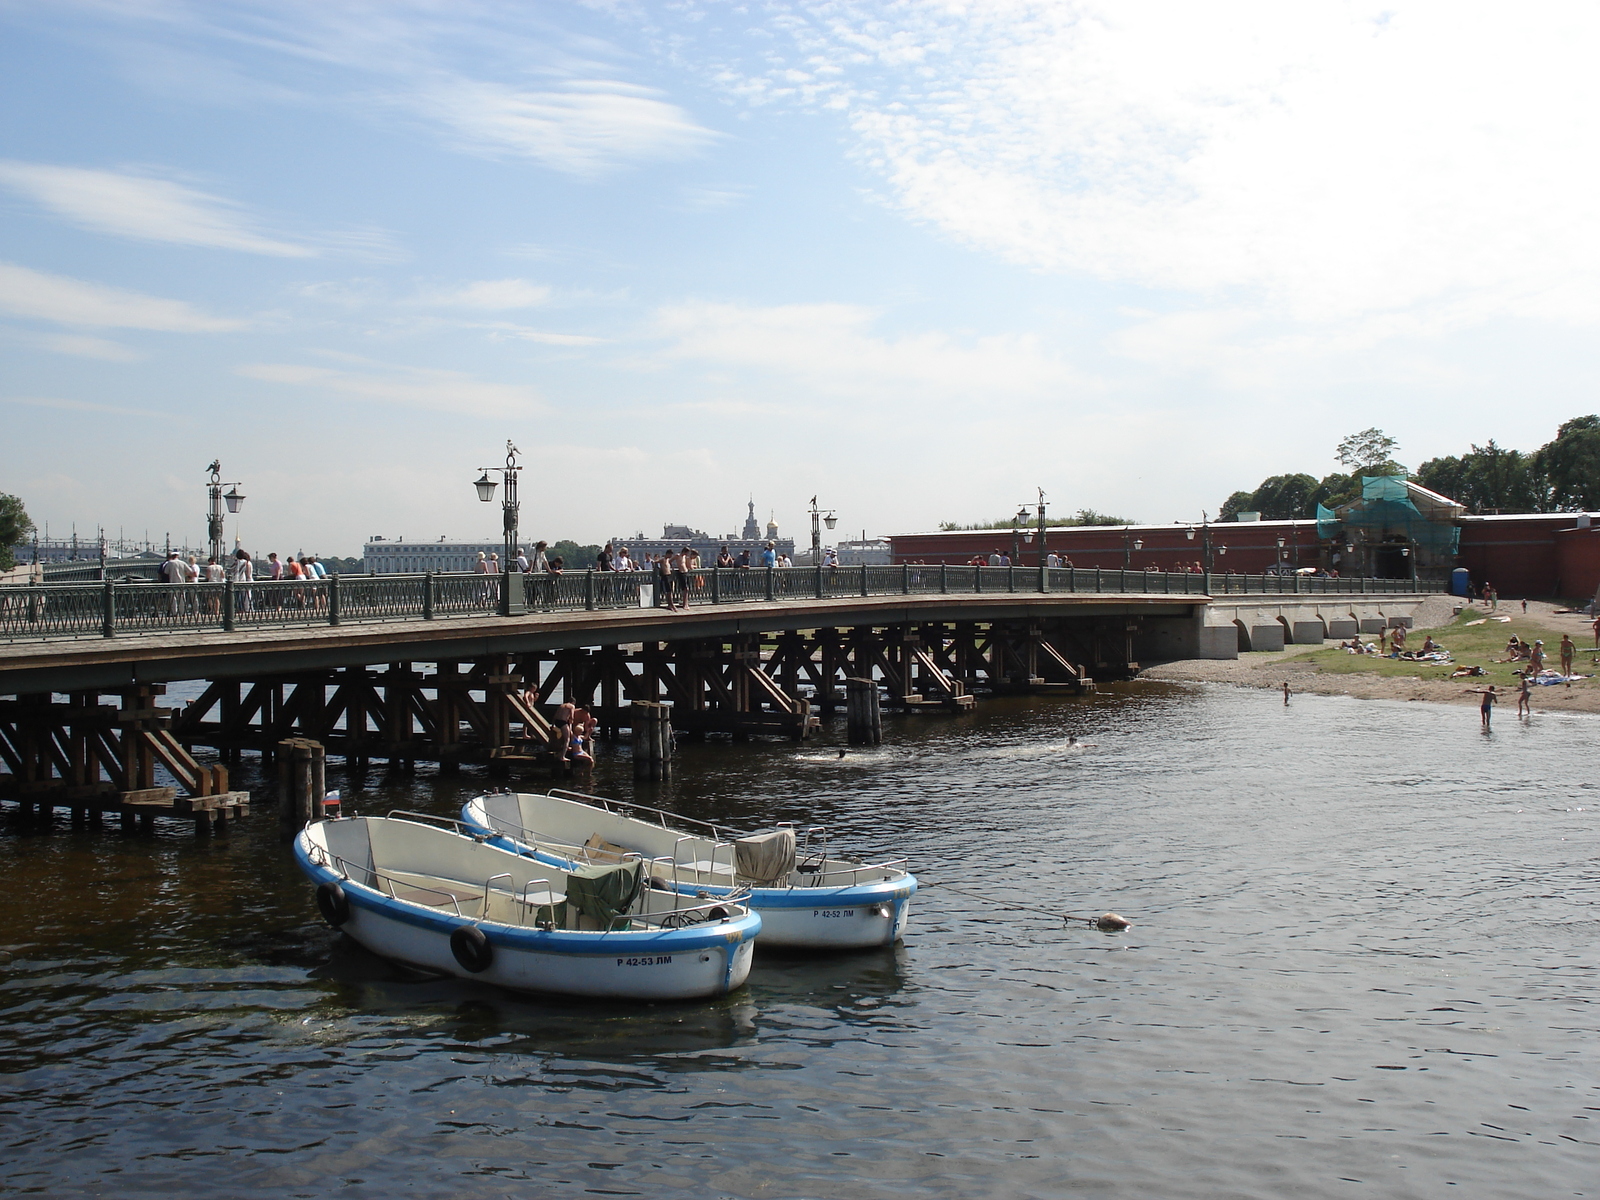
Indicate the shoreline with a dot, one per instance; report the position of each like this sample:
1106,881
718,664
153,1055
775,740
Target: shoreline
1270,669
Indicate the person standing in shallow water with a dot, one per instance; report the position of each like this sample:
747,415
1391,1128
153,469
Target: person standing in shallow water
1486,706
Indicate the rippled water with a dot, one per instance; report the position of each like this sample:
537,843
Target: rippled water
1364,963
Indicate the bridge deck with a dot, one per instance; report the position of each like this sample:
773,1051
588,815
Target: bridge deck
114,663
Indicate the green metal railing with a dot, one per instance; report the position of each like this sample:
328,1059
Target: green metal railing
113,609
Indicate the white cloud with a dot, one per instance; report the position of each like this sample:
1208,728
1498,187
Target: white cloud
834,346
1319,161
491,294
504,331
138,206
413,387
28,293
81,406
585,129
78,345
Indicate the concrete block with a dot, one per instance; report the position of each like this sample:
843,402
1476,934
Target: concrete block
1267,637
1343,628
1307,633
1372,625
1393,621
1219,641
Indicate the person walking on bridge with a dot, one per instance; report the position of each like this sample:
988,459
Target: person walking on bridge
244,572
173,571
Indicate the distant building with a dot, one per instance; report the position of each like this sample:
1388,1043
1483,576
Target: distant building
380,556
675,537
869,552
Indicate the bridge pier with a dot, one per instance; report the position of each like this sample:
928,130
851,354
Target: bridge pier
92,758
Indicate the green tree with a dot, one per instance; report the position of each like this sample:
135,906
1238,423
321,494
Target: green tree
573,556
1369,452
1336,489
1234,505
1088,516
1569,466
1443,475
1489,479
15,526
1284,497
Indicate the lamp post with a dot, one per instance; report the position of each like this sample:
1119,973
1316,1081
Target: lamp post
510,506
1205,539
1129,545
1044,560
1017,522
819,518
214,514
1279,564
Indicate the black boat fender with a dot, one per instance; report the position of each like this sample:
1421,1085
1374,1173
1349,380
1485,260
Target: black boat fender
471,948
333,904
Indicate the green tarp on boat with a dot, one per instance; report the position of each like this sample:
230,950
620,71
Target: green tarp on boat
605,892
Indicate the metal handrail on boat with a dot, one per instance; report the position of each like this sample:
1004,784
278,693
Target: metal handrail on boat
322,856
456,826
718,831
613,806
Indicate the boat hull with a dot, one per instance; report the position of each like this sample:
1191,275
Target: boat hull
854,917
669,964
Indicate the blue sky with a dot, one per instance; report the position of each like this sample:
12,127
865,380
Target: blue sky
916,259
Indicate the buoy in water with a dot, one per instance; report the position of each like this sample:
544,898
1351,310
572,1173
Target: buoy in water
841,754
1111,923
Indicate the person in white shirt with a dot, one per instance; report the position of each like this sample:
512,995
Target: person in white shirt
522,560
244,571
622,562
173,571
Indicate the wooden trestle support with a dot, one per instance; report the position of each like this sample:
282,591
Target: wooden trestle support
94,758
477,711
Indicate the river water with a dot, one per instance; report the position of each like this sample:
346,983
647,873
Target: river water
1364,963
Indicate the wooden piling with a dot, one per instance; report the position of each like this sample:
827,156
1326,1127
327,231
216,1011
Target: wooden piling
652,740
302,784
863,712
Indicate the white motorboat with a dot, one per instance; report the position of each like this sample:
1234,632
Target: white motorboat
807,898
445,900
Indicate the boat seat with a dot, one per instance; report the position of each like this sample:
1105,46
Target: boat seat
434,897
597,849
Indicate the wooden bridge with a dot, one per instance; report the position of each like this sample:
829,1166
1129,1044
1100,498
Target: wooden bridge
441,668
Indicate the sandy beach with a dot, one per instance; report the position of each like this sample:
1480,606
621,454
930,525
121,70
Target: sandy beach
1270,669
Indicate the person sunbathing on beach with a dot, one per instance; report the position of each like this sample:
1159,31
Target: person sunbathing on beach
1429,645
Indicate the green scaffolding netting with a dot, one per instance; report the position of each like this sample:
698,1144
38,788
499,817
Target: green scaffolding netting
1386,511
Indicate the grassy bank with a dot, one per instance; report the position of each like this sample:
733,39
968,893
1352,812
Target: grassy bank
1472,640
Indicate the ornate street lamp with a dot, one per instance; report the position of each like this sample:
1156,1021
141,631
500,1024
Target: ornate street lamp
510,506
214,514
1017,522
1205,538
819,518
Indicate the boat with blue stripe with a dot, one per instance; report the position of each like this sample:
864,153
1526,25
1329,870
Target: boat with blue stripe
808,897
430,894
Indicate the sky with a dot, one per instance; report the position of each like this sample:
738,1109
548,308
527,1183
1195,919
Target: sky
918,260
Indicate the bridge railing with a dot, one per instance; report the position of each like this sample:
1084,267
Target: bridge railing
113,609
